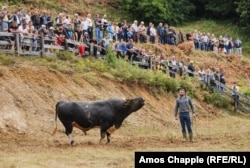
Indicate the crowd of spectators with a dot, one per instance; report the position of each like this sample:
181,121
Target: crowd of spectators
98,33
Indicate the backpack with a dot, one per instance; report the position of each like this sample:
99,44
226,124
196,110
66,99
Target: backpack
148,30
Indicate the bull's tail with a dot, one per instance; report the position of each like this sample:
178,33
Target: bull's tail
55,129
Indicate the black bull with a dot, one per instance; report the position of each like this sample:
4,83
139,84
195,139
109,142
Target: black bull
106,114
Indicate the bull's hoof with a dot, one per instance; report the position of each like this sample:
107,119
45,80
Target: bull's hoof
72,142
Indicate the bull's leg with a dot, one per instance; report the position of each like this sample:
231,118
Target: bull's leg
68,130
104,126
102,136
108,137
71,140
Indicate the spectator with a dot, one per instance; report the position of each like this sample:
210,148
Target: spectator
235,93
98,28
131,51
104,25
134,28
191,69
44,19
142,33
86,41
237,45
84,24
180,37
222,80
160,33
111,31
49,21
77,21
60,35
221,45
4,19
78,34
152,34
172,67
201,74
122,50
90,26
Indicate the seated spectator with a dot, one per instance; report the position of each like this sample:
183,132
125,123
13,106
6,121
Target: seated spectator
102,49
59,34
172,67
131,50
122,50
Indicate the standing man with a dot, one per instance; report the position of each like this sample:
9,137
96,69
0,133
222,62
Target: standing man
183,102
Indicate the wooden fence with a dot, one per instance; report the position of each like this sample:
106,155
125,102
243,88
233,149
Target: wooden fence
34,45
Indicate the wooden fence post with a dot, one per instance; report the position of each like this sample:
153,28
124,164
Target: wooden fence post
17,44
66,44
42,46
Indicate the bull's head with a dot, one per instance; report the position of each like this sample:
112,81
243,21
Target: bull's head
134,104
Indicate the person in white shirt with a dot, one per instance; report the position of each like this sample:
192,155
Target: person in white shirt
152,34
134,28
90,26
104,25
84,24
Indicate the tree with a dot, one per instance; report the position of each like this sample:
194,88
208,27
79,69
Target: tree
243,9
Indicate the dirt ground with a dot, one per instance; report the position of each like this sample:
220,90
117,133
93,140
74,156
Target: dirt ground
28,95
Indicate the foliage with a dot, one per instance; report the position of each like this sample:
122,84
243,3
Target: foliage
243,9
171,11
217,100
247,92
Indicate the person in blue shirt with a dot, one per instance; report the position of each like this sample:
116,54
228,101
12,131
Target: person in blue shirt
122,50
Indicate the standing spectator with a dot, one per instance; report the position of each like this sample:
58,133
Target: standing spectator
134,28
77,21
235,92
221,45
111,31
125,30
142,33
183,102
201,74
196,37
59,19
104,25
160,33
230,46
191,69
84,24
222,80
90,26
237,45
44,19
49,20
36,20
93,42
152,34
180,37
4,19
98,28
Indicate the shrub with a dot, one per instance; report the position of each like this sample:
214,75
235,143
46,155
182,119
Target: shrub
217,100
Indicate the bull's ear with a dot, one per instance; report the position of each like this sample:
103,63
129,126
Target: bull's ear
127,103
